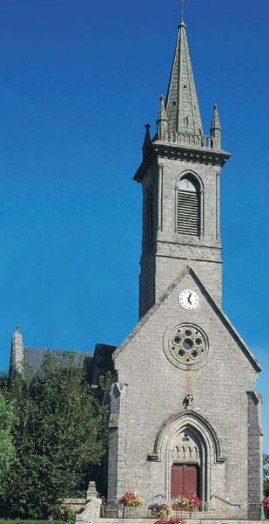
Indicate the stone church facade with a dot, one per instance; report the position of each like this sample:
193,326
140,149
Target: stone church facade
184,414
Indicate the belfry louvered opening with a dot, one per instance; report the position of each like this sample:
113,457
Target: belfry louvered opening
188,207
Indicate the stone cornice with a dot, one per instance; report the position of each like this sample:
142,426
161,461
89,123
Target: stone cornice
192,154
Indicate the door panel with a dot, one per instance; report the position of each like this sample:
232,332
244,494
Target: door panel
183,480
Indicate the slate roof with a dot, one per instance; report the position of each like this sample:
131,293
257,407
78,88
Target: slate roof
34,358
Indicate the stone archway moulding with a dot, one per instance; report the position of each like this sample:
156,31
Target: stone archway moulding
209,445
194,175
176,423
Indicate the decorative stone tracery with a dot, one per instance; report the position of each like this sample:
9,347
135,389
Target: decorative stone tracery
186,346
186,448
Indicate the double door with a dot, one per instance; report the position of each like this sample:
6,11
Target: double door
185,480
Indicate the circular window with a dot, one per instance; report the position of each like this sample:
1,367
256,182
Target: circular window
186,346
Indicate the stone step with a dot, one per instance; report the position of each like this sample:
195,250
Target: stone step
189,520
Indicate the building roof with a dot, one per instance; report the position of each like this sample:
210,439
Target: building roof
26,359
34,357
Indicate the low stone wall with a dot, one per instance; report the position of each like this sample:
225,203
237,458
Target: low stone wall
75,505
90,514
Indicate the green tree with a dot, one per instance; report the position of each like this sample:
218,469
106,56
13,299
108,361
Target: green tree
58,437
266,474
7,449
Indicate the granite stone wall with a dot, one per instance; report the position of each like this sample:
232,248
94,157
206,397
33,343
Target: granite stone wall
165,252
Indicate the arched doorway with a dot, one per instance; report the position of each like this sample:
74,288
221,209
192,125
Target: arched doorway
189,449
188,459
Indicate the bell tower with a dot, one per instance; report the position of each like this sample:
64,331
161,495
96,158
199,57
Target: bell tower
180,178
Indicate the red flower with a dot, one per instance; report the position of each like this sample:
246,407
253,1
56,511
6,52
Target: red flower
131,499
171,520
265,502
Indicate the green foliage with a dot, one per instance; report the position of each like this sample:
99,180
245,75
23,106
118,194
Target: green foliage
18,521
7,450
58,436
62,513
266,474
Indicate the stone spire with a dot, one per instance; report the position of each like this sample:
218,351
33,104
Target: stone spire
182,106
215,130
147,141
17,352
162,120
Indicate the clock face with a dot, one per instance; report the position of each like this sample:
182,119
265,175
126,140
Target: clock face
188,299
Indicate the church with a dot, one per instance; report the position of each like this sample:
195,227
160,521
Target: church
184,413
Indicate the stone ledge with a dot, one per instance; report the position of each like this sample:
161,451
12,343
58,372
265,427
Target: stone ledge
205,520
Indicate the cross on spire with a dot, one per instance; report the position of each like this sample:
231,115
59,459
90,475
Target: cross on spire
182,5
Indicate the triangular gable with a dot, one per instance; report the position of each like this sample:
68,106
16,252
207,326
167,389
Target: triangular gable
214,306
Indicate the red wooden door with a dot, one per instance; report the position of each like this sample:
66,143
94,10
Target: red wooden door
183,480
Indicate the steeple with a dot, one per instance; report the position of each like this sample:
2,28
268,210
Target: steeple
180,175
182,103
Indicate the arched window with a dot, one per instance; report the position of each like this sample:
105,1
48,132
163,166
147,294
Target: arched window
188,206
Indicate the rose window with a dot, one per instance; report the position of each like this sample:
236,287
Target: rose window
187,344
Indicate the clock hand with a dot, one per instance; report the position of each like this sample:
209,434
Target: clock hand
189,298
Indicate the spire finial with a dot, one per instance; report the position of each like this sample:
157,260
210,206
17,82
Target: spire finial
162,120
182,5
215,130
147,141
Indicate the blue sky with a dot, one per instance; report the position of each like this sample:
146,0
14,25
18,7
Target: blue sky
78,80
